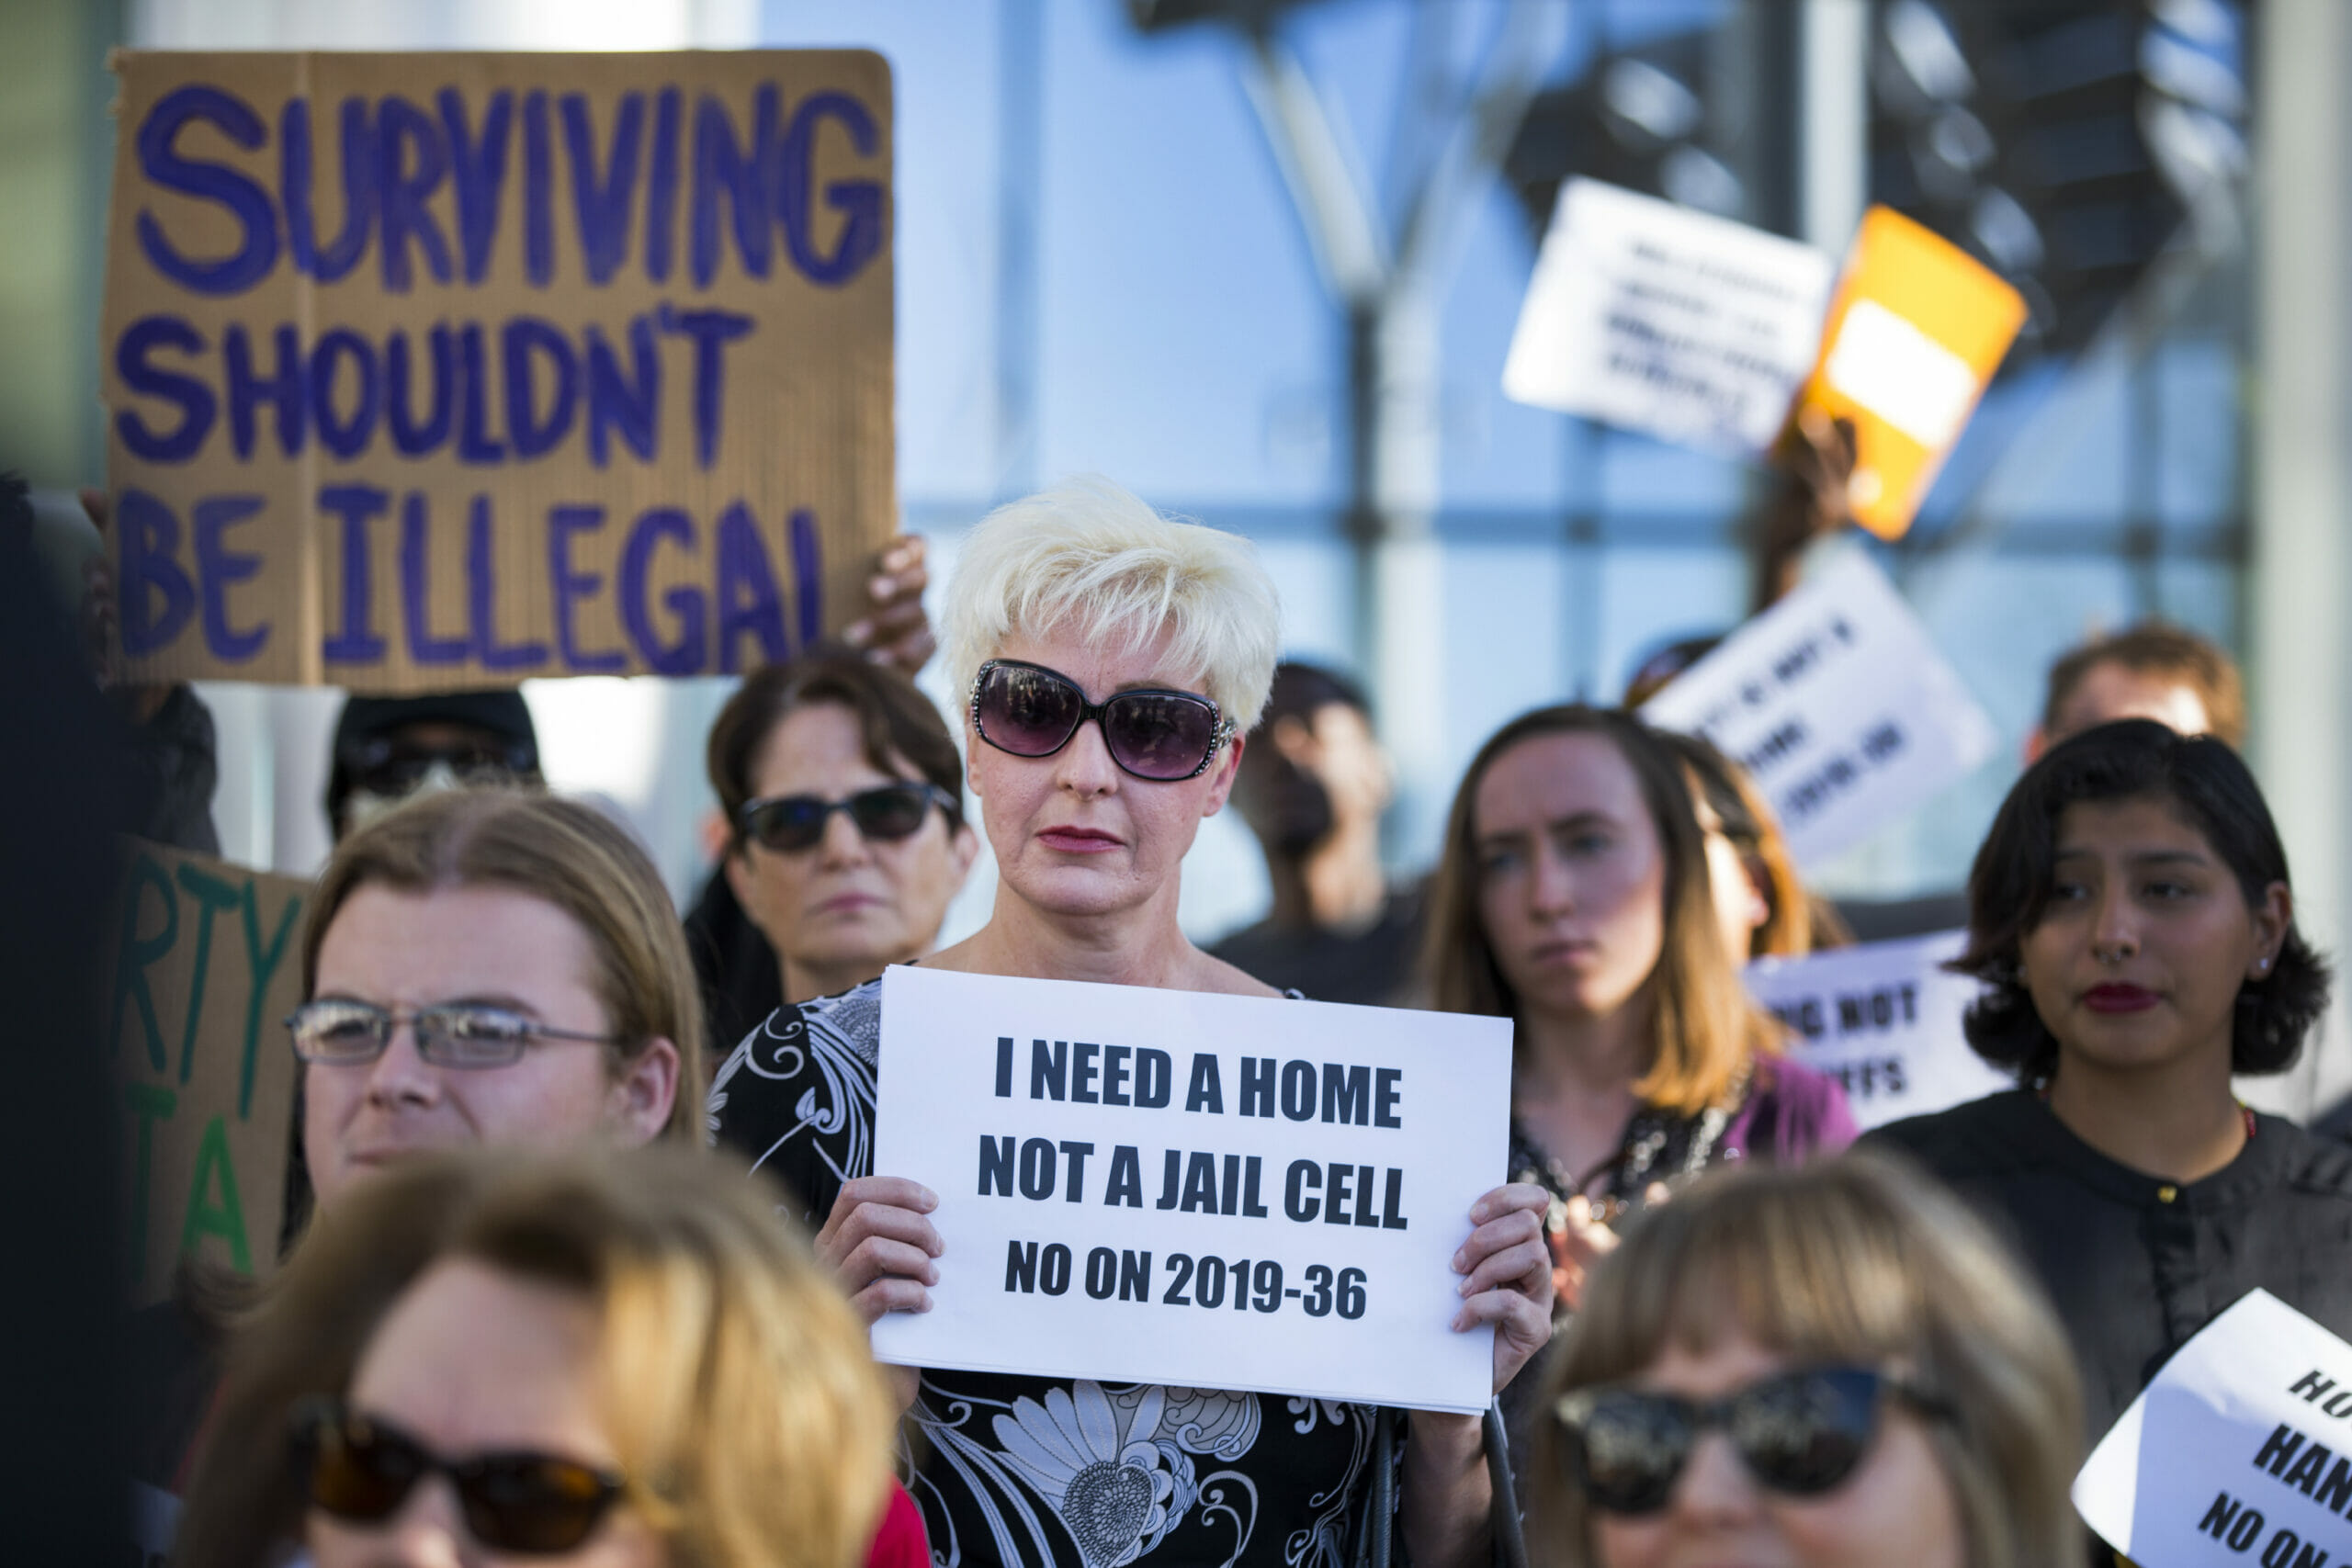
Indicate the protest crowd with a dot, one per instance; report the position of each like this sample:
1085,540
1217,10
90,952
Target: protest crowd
1532,1205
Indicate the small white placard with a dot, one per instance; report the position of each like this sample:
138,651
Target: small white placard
1901,374
1113,1161
1838,705
1666,321
1884,1020
2239,1451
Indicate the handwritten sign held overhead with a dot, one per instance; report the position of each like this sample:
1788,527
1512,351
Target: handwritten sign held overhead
203,972
1838,703
1688,327
2240,1450
442,370
1884,1020
1202,1190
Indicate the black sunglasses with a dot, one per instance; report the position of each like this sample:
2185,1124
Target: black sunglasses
1031,711
359,1468
1801,1433
393,768
794,822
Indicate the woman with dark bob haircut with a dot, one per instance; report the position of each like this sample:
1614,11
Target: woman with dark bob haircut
2131,919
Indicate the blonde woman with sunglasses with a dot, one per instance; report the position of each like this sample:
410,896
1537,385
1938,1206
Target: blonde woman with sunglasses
1112,663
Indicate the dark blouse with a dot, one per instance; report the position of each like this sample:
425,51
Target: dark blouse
1029,1470
2134,1265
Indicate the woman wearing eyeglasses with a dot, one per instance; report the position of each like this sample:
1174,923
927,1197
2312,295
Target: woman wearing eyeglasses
600,1359
1827,1367
1112,662
842,794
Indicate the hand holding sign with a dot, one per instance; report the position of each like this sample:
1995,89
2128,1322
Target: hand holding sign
1124,1177
879,1244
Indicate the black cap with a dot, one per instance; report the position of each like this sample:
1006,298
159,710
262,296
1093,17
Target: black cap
501,713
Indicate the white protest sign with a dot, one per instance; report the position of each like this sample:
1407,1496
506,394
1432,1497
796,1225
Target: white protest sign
2239,1451
1683,325
1838,705
1207,1192
1884,1020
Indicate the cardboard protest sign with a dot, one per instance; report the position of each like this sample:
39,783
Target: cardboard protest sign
1838,705
427,371
2239,1451
1884,1020
1917,329
1666,321
203,972
1208,1191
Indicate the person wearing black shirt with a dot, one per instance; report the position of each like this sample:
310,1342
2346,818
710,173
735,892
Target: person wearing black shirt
1313,785
2131,916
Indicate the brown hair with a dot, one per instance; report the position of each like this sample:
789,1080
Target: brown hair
2170,652
899,725
2210,788
1703,1027
741,1399
570,855
1798,923
1858,1260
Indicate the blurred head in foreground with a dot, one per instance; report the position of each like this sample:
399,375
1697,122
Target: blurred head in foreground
614,1358
1823,1365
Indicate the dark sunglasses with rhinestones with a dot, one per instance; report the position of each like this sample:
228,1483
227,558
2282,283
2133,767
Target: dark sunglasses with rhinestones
1156,734
361,1469
789,823
1799,1433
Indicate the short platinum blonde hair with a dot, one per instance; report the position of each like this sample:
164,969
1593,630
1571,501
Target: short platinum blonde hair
1090,560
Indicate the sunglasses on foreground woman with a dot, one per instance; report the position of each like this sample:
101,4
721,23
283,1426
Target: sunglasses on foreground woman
1827,1367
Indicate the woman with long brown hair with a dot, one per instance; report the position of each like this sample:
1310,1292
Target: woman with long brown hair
1573,897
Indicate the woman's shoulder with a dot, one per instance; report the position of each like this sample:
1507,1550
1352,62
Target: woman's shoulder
1968,1133
1808,1104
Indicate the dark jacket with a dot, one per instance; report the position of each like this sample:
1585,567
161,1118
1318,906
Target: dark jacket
2134,1265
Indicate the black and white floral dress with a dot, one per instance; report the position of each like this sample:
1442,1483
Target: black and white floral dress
1027,1470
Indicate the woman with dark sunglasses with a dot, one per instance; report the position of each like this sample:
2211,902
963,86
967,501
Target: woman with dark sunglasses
598,1359
1832,1366
1113,662
842,794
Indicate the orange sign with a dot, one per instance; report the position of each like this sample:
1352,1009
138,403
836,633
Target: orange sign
1916,331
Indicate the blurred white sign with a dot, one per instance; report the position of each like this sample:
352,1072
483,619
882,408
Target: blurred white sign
2239,1451
1884,1020
1837,703
1666,321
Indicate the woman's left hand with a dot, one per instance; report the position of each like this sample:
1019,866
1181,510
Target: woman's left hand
1506,1272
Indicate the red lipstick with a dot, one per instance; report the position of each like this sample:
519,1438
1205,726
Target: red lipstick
2116,998
1077,841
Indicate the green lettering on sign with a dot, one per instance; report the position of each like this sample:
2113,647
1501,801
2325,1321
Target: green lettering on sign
265,959
225,1219
211,896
